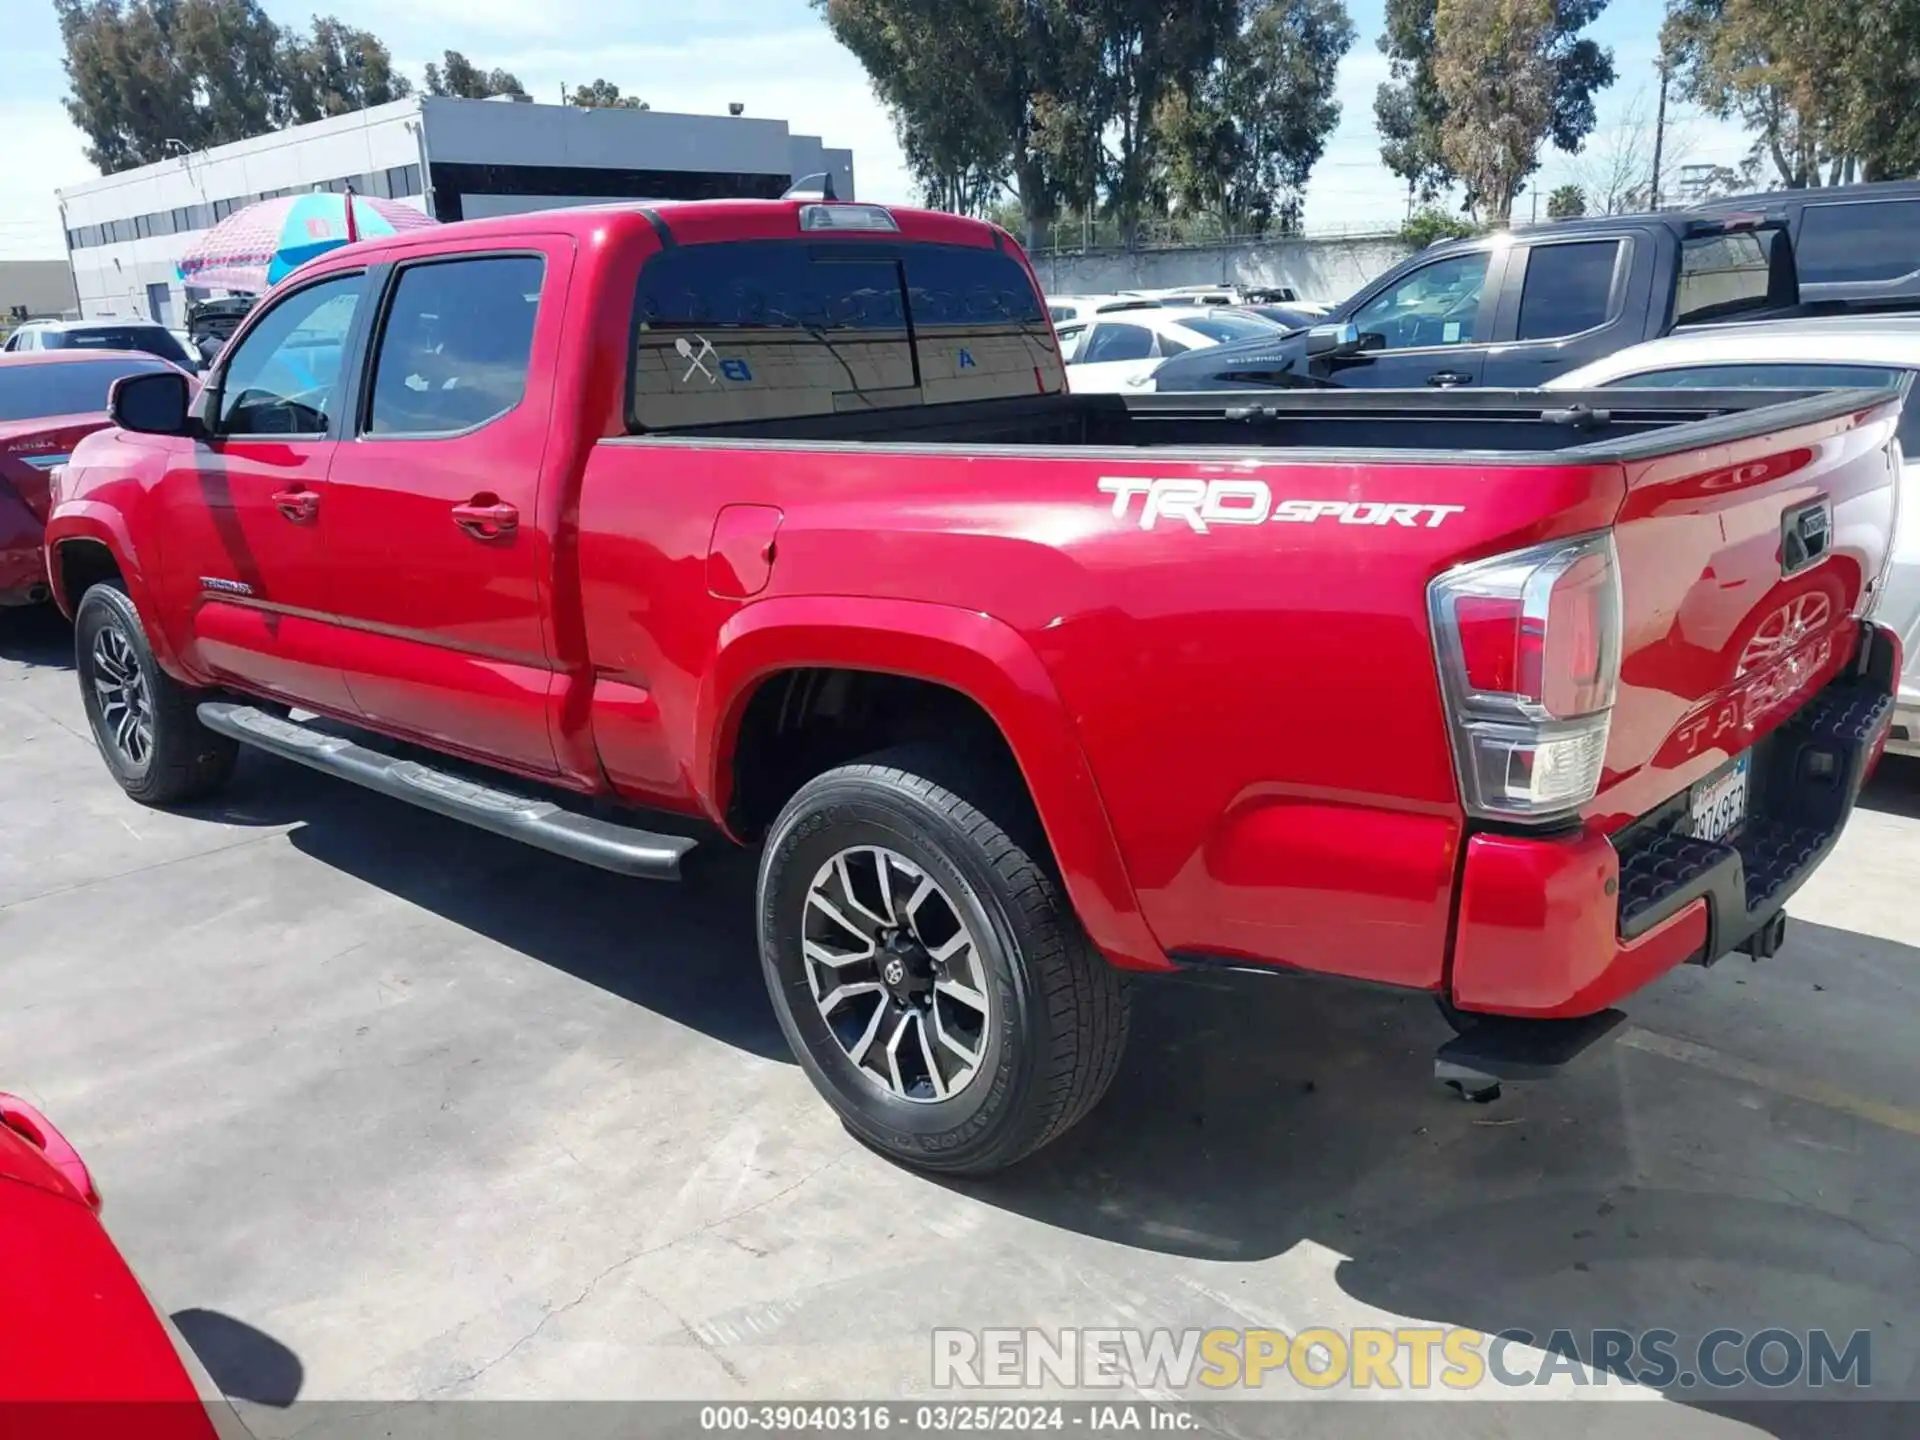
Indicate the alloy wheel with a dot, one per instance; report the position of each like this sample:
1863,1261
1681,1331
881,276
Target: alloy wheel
126,705
896,974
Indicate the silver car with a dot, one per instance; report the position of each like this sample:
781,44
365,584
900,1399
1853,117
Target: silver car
1831,353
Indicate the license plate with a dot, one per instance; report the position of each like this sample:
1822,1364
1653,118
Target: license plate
1718,804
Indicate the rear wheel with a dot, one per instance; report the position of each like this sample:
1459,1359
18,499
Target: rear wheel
143,720
929,974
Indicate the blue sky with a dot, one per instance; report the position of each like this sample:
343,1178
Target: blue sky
774,55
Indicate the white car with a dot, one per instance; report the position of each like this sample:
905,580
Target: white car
1830,353
1191,295
1121,351
1072,314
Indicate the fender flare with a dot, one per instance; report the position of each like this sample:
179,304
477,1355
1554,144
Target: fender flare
964,650
89,520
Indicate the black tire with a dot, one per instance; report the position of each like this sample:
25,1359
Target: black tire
1056,1023
181,760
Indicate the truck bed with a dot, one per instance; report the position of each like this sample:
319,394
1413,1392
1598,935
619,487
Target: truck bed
1418,426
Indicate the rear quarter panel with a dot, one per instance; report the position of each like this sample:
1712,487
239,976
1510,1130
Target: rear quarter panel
1256,702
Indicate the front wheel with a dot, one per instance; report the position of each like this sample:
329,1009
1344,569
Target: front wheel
143,720
930,976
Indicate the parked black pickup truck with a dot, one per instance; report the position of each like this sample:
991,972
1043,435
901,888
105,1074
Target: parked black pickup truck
1516,308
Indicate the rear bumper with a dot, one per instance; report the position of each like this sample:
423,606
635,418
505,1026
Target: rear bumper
1561,928
23,558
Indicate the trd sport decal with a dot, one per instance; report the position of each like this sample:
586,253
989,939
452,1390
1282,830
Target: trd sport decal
1202,503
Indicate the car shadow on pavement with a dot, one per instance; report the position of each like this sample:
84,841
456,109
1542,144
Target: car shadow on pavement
37,635
1895,789
247,1364
686,951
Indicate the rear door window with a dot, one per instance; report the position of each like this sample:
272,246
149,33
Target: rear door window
1723,275
760,330
1115,340
1568,288
454,350
1856,241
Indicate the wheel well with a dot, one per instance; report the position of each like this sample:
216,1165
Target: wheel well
802,722
84,564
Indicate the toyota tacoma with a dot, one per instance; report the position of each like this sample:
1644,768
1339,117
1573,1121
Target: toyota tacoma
617,528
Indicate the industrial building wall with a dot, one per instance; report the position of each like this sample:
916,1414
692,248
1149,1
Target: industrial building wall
490,158
115,272
462,158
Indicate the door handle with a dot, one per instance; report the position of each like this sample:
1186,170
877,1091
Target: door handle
486,519
298,506
1445,378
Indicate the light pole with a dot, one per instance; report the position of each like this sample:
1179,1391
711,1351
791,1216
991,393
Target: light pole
1659,129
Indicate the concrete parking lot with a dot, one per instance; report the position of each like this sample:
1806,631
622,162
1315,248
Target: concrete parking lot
385,1108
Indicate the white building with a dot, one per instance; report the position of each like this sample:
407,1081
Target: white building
456,159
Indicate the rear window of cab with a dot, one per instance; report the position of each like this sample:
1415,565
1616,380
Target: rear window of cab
774,329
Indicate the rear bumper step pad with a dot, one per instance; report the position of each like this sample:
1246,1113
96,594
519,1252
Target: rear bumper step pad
622,849
1807,778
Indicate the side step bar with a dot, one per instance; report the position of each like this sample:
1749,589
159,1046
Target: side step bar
619,848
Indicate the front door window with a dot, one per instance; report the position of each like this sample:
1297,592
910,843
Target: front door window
284,378
1437,305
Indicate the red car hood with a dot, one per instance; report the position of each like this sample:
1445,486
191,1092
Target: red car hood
29,449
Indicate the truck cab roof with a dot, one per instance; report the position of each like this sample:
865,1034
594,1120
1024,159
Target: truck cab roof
701,221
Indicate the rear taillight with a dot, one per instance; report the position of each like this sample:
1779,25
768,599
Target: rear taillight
1529,652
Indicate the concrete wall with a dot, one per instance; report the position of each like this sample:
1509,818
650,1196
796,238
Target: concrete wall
1325,270
44,288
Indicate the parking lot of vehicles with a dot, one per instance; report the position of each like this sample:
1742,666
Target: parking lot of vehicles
1281,305
1519,307
120,336
545,532
1072,314
1121,349
48,400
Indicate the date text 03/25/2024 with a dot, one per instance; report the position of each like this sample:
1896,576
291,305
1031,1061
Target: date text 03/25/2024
936,1418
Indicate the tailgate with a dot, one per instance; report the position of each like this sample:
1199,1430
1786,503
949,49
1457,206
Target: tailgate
1744,568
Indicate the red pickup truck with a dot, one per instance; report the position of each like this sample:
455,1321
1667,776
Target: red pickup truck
776,517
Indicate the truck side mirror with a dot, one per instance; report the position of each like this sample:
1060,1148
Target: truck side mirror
1326,340
150,404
